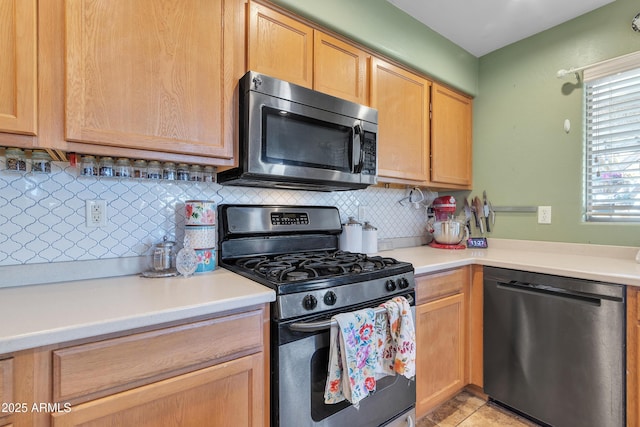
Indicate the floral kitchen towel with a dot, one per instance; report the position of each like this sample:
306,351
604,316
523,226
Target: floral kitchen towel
396,340
352,358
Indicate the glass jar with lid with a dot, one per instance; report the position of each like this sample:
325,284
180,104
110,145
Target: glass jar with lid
169,171
209,174
183,172
123,168
195,173
154,170
140,169
106,167
88,166
15,160
40,161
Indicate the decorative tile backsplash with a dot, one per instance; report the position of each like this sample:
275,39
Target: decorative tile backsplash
42,216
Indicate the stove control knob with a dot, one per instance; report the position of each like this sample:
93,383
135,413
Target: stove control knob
309,302
330,298
403,283
390,285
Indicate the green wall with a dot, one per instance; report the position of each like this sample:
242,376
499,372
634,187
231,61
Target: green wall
383,27
522,156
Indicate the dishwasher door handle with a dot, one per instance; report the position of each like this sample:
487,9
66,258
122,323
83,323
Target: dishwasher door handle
551,291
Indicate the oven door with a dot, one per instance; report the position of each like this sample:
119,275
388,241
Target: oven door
287,139
299,382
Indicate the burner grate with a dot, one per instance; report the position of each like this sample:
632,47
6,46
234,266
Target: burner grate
303,266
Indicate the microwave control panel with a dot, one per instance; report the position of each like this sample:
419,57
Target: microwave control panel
369,157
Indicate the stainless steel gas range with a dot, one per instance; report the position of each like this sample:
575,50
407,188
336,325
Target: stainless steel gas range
294,250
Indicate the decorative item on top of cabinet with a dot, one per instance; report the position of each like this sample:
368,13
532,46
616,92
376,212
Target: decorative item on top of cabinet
451,130
441,331
153,76
280,46
340,69
18,67
402,101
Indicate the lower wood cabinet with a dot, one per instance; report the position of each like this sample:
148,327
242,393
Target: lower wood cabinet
221,395
209,371
441,335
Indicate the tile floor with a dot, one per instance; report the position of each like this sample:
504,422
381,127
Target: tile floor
467,410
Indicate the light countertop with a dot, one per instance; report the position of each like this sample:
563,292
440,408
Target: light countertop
38,315
33,316
614,264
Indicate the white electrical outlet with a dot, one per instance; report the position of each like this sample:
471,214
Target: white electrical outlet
544,214
96,213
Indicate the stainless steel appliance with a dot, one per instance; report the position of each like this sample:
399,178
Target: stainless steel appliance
294,250
296,138
554,347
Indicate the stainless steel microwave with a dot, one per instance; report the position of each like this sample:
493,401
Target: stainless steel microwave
296,138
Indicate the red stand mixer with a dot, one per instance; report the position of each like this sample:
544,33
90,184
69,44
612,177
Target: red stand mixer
448,232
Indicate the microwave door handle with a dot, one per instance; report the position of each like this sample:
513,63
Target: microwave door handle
358,153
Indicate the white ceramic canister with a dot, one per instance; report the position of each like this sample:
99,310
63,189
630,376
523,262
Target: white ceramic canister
352,236
200,236
369,239
200,212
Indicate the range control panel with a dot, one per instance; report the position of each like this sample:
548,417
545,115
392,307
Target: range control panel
289,218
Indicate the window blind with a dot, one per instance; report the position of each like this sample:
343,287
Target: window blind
612,162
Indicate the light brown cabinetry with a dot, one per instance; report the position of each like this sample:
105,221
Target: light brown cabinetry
402,101
633,356
18,66
208,371
451,136
280,46
340,69
290,50
151,76
221,395
441,335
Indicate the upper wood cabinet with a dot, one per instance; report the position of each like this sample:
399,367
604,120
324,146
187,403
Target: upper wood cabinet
18,66
150,75
402,101
340,69
280,46
451,131
287,49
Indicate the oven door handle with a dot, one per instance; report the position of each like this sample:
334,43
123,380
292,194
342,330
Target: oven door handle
326,324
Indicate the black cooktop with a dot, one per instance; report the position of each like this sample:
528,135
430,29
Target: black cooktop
297,272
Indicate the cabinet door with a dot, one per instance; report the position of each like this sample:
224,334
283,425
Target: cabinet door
229,394
450,137
440,336
402,100
280,47
18,66
633,357
339,69
149,75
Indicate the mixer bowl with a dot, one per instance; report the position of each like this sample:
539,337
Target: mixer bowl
449,232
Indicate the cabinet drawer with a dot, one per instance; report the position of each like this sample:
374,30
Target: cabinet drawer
434,286
90,370
6,381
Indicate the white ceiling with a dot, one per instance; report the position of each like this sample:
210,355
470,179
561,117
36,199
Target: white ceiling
482,26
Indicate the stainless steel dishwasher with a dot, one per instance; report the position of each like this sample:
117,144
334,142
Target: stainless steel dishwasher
554,347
